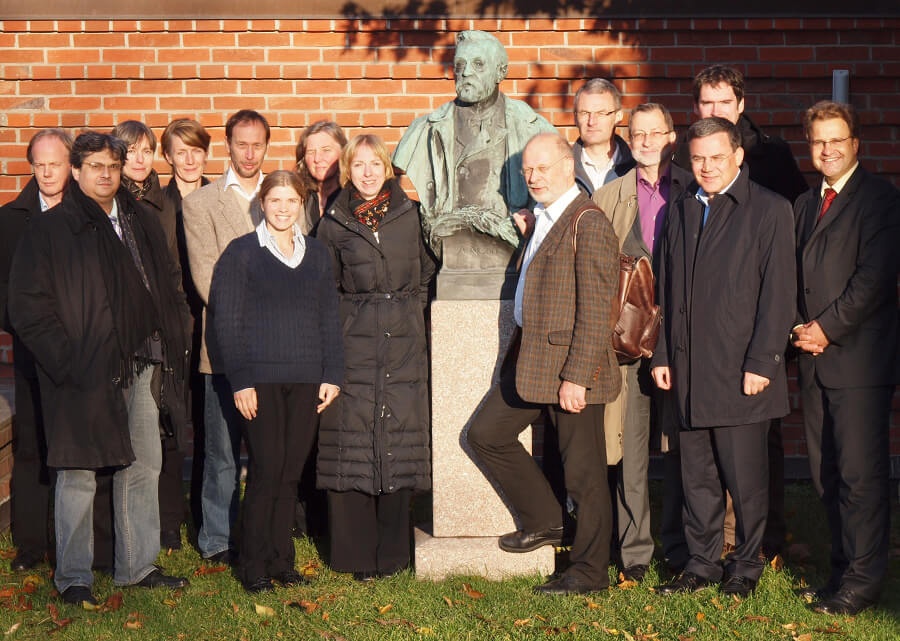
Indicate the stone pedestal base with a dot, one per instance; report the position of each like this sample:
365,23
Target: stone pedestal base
468,341
440,557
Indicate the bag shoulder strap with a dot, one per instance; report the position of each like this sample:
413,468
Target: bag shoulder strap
578,214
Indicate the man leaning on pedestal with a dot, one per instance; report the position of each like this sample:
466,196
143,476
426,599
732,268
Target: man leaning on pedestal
560,361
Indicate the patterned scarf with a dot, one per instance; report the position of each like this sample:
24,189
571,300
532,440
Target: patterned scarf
139,191
371,212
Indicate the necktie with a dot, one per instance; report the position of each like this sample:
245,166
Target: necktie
826,201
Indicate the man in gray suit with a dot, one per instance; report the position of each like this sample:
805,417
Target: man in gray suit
214,216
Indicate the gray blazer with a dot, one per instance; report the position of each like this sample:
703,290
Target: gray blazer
213,217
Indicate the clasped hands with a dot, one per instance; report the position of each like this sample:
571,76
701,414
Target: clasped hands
809,337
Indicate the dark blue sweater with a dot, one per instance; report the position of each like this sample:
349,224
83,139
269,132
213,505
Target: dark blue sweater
271,323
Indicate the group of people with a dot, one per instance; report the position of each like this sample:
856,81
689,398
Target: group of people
745,281
290,306
311,328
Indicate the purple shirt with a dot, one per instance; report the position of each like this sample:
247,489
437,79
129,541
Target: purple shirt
652,201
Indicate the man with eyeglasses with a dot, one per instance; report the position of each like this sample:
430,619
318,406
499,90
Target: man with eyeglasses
560,361
726,288
637,205
601,155
94,295
848,235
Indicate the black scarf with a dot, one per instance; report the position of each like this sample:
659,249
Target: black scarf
138,310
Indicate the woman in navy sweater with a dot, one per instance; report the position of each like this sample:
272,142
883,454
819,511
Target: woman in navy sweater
277,337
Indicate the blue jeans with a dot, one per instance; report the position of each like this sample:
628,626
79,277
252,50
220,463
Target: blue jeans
135,502
221,467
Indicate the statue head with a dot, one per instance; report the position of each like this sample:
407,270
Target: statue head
479,65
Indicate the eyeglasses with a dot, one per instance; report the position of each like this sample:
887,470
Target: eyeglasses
541,170
638,136
40,167
714,161
586,115
834,142
99,166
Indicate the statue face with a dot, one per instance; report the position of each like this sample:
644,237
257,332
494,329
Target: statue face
476,71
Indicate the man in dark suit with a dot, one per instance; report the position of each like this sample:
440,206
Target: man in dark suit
848,233
561,360
726,290
718,90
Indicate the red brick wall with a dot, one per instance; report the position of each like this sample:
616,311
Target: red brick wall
380,74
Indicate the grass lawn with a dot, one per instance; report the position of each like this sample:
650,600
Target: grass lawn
335,607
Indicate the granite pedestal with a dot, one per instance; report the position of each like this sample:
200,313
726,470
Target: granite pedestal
468,338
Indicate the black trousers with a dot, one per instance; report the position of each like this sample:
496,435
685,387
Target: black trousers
671,526
847,443
171,487
32,483
493,435
713,460
278,441
369,533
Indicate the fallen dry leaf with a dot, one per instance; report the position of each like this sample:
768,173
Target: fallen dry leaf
7,593
777,563
472,592
170,602
133,624
8,554
331,635
611,631
308,606
13,628
805,637
385,608
592,605
33,579
234,607
448,601
325,616
310,570
753,617
264,610
700,616
648,608
113,602
520,622
209,569
715,601
625,585
789,626
424,631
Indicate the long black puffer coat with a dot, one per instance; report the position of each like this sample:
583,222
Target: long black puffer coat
377,439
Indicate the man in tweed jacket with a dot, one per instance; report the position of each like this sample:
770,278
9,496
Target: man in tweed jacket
561,360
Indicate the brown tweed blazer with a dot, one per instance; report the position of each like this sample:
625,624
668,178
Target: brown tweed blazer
567,316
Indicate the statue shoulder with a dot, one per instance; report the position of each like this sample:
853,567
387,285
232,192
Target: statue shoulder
417,134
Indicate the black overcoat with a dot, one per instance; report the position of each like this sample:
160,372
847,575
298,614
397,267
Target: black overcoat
377,439
59,307
727,294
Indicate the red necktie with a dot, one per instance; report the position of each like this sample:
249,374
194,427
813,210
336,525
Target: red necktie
826,201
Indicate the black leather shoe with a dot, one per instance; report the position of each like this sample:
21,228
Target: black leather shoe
225,557
843,602
567,585
634,573
737,585
25,560
811,594
78,595
365,577
291,577
261,584
521,541
686,582
157,579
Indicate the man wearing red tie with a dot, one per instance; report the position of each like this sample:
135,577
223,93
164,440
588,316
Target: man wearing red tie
848,231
